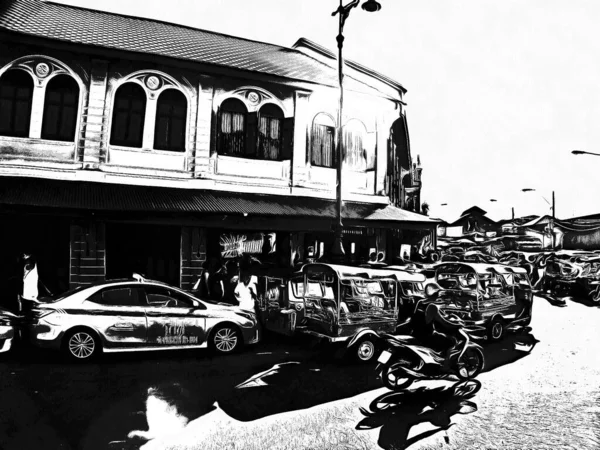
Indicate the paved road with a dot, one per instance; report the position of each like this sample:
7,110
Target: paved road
49,403
545,397
548,395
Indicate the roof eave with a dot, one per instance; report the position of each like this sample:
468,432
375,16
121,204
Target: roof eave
353,64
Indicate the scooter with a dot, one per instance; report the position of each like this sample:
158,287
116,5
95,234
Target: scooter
406,360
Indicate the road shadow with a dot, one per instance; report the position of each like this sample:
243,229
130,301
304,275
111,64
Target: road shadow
293,386
510,349
396,413
108,398
559,302
583,301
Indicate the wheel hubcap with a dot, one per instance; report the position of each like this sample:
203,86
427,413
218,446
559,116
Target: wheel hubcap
366,350
497,330
469,364
226,340
82,345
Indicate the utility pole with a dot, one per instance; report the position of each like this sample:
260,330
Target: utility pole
553,218
513,213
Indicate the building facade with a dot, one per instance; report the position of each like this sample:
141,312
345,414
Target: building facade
129,144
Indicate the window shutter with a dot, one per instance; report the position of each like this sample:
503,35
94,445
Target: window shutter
251,134
288,138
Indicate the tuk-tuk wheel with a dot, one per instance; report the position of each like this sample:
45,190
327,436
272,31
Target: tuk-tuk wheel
365,350
496,330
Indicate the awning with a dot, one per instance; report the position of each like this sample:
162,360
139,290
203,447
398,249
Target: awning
109,197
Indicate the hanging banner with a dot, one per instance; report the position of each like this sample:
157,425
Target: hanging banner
234,245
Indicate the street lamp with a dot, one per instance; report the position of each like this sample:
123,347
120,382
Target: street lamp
581,152
552,207
343,11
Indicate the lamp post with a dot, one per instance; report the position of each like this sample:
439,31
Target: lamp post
344,11
582,152
552,207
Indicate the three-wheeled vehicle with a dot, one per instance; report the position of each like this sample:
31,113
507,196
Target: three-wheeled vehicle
495,296
338,304
411,289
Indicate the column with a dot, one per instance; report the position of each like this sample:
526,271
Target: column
301,130
37,111
204,125
88,253
193,255
95,118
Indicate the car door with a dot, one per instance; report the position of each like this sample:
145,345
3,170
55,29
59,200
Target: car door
118,314
174,319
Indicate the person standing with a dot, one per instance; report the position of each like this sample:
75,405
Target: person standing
246,291
31,279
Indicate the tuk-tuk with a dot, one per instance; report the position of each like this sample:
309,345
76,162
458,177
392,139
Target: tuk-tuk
411,289
350,305
496,296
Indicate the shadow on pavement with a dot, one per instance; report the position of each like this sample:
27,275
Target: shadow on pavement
88,405
510,349
292,386
396,413
560,302
583,301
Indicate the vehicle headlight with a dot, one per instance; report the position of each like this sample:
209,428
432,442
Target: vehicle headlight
249,316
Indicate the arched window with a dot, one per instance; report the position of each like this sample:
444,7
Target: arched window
16,93
231,129
322,150
129,111
171,113
270,131
60,109
356,155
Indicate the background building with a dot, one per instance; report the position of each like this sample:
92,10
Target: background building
128,144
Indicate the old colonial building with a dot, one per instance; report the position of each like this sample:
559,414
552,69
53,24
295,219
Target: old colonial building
132,144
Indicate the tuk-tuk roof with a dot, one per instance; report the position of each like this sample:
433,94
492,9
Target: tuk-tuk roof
406,274
364,272
484,268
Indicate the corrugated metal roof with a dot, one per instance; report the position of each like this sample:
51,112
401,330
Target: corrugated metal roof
90,27
95,196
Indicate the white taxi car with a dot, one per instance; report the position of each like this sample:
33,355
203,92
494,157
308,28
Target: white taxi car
137,315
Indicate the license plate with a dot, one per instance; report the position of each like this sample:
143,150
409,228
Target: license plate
384,357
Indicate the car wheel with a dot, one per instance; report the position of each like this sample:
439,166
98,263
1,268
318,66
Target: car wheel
81,345
365,350
496,330
226,339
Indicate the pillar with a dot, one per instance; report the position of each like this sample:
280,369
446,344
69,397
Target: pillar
193,255
95,118
88,253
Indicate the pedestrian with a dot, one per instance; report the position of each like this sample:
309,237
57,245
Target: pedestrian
246,291
231,278
204,285
31,280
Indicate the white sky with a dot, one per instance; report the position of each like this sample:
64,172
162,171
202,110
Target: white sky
499,92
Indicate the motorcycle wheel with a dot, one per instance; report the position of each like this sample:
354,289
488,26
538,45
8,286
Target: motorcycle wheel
470,364
394,377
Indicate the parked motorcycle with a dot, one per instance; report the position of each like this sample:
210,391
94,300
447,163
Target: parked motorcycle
405,359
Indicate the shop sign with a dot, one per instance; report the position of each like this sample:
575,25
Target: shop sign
234,245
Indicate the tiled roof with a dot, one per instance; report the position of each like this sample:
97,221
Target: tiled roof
96,28
77,195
